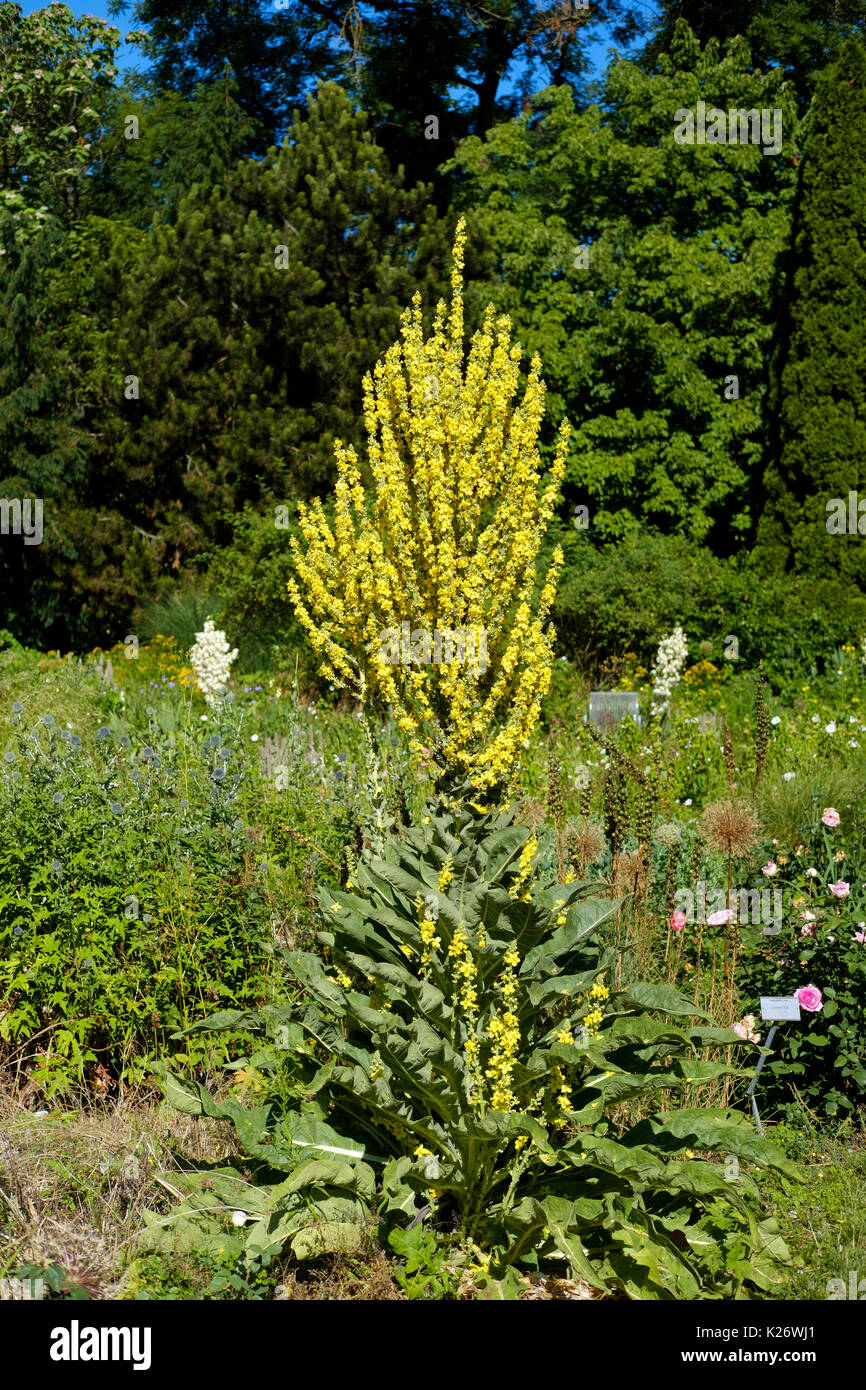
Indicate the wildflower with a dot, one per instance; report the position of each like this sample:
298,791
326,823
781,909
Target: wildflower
103,732
116,808
9,756
58,799
840,889
17,706
861,934
218,774
775,719
254,738
810,998
677,921
839,855
770,869
46,719
211,661
667,669
812,873
830,816
789,776
238,1218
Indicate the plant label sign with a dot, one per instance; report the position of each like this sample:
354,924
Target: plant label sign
780,1006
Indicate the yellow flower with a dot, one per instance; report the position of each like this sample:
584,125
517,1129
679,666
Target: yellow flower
446,536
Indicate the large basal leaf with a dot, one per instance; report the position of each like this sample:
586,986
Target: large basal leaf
319,1138
724,1131
584,917
308,969
327,1238
664,998
564,1224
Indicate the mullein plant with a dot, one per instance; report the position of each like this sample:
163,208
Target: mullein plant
447,537
459,1038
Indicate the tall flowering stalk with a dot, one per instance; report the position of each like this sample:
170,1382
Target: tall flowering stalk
211,660
667,670
446,539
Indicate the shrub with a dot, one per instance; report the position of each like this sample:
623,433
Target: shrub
130,902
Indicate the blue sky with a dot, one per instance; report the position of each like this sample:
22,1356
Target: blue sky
129,57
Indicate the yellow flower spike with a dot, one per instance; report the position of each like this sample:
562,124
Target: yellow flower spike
445,541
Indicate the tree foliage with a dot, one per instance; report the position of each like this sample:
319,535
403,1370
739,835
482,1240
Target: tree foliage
820,396
642,270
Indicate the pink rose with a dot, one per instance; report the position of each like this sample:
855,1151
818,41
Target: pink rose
861,934
831,817
809,997
677,921
770,869
716,919
840,889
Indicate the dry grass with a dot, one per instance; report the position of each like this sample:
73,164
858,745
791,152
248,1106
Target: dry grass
72,1185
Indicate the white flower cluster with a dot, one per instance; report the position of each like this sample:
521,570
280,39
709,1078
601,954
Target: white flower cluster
211,660
667,669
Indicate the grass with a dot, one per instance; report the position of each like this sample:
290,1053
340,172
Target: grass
72,1185
823,1222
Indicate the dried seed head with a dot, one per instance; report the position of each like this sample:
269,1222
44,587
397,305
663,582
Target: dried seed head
668,835
731,827
587,843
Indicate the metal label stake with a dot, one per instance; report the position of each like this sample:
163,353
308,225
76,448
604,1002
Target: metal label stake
776,1007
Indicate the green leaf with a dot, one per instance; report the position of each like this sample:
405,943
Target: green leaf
662,997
